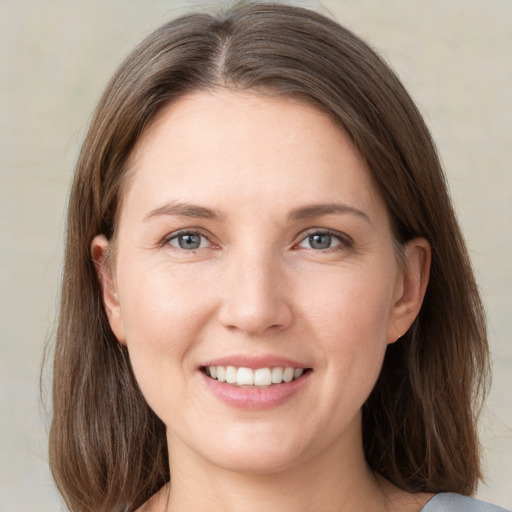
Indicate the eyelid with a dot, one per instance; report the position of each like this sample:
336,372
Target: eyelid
186,231
346,240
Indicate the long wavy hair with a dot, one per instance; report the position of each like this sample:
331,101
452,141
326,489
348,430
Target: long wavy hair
107,447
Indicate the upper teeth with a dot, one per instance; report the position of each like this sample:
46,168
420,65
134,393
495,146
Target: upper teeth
249,377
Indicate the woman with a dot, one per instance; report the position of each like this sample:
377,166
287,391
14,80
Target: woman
267,301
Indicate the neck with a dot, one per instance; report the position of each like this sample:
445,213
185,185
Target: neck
337,480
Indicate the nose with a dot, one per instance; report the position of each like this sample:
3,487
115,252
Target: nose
254,296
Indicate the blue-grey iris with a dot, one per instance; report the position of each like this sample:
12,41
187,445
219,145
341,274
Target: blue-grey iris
320,240
189,241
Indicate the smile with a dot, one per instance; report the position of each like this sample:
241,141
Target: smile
259,377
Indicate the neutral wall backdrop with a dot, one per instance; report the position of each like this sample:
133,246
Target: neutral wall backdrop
455,57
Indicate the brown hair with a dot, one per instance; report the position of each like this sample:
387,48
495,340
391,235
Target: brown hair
107,448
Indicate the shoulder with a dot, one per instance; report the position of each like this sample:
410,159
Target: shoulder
451,502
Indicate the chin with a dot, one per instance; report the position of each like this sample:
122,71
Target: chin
257,463
252,452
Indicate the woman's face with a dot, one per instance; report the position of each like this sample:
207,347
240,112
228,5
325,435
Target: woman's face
251,236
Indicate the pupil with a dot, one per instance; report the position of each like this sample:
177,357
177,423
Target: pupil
320,241
191,241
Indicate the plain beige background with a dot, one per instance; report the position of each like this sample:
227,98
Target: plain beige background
455,57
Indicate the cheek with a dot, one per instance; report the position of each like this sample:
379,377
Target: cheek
347,303
355,345
161,305
351,324
164,315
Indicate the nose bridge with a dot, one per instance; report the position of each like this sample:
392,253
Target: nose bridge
254,291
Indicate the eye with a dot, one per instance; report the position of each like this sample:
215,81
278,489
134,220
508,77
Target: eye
322,240
188,240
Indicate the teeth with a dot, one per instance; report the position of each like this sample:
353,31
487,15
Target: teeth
231,375
277,375
221,373
263,377
288,375
244,377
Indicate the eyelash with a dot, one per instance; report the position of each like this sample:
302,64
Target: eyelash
344,240
176,235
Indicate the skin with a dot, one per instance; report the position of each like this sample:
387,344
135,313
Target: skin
256,286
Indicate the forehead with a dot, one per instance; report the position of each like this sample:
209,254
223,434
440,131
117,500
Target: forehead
250,148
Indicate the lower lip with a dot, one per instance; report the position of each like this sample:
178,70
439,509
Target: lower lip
255,398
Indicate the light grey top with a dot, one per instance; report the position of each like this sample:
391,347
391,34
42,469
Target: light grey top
451,502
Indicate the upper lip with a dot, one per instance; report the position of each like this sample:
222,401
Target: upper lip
255,362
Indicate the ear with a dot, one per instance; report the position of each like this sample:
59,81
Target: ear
99,248
411,287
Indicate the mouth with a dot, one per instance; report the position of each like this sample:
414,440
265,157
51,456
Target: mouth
254,378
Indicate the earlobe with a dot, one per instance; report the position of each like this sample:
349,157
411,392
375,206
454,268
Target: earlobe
414,281
99,249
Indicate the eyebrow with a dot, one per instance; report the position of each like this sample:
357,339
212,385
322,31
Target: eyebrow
184,210
305,212
318,210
